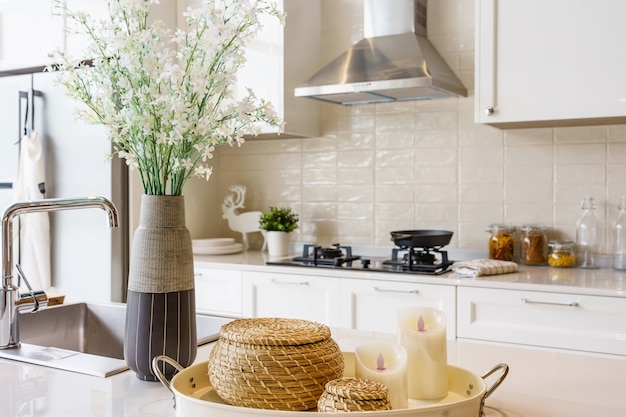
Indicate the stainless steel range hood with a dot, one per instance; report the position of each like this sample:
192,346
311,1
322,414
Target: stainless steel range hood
393,62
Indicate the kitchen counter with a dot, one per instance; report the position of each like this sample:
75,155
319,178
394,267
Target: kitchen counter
540,383
601,281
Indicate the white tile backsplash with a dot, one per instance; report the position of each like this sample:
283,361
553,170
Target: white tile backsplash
584,134
616,153
383,167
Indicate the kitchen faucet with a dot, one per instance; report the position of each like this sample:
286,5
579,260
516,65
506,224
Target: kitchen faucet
11,301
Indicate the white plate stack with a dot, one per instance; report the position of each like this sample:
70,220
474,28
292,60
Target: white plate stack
216,246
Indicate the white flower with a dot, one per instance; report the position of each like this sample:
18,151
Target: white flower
167,96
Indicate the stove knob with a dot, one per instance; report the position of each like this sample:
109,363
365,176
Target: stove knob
365,263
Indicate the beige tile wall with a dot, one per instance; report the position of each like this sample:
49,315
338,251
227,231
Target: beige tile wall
424,164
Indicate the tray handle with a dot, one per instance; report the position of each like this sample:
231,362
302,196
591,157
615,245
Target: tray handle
159,374
504,371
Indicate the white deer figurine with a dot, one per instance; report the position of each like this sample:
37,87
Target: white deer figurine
243,223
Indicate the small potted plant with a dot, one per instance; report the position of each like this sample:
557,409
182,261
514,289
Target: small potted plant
278,222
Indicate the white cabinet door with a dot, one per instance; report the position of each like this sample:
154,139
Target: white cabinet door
28,33
550,62
74,44
566,321
372,305
30,30
279,58
291,296
218,291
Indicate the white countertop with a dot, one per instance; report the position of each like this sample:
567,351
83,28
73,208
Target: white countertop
540,383
601,281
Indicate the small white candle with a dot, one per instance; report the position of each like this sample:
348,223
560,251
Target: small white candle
422,332
385,363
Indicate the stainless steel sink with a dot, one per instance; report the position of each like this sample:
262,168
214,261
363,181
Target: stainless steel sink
85,337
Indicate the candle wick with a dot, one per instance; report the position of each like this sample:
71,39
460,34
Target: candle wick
420,324
380,362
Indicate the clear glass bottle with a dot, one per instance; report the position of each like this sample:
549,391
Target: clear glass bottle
587,235
534,245
501,242
619,236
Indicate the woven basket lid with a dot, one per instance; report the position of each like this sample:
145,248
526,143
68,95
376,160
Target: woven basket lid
274,331
357,389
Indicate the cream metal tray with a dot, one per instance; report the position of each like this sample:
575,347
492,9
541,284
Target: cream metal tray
195,397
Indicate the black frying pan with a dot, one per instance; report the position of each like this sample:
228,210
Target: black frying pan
421,238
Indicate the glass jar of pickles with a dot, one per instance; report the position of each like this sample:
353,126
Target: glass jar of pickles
534,245
562,254
501,242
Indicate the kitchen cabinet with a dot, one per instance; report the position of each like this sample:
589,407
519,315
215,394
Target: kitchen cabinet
30,30
550,63
218,291
287,295
373,304
278,59
555,320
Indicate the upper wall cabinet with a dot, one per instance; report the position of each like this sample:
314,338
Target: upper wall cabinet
28,32
550,63
278,59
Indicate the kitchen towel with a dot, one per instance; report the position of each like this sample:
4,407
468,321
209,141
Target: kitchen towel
32,249
481,267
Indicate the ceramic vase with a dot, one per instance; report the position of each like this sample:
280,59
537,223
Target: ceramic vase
277,244
161,311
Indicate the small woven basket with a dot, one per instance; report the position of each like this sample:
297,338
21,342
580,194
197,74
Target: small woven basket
353,394
273,363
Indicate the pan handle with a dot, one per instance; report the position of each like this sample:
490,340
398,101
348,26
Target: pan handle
159,374
504,370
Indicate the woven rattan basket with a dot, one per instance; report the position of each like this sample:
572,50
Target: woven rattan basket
353,394
274,363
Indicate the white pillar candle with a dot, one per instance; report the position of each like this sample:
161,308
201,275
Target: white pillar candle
422,332
385,363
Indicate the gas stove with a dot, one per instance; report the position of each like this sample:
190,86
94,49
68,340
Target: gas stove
404,259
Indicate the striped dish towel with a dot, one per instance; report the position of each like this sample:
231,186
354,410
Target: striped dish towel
480,267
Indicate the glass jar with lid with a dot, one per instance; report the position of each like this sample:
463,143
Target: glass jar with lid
501,242
562,254
534,245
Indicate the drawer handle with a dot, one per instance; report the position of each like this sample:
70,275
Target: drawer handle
572,304
378,289
275,281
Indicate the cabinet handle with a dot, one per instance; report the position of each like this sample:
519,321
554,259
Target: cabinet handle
572,304
378,289
489,111
275,281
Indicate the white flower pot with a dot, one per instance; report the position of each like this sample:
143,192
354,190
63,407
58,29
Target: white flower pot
277,244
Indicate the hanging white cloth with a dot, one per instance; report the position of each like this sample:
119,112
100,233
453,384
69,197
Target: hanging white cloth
34,228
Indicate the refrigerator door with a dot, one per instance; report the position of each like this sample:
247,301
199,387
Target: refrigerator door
89,260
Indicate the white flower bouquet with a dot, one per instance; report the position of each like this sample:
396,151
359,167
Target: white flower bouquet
165,95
